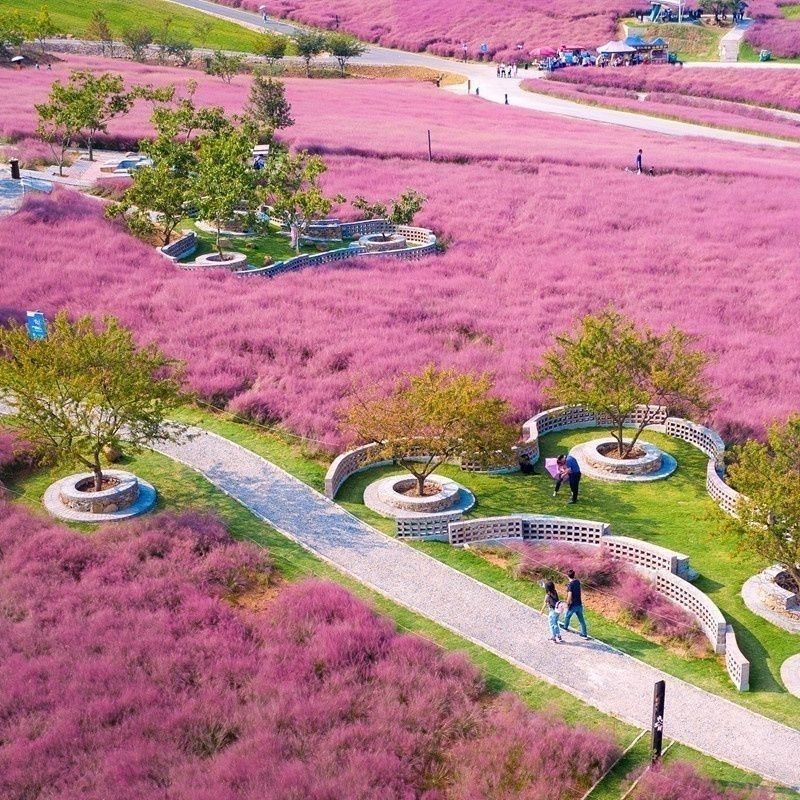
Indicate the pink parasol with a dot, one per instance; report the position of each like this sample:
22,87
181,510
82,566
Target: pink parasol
551,465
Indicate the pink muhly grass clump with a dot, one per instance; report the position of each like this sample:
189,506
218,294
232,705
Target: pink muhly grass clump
597,569
679,781
780,36
125,675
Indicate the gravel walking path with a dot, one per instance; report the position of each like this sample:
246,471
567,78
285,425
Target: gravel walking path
607,679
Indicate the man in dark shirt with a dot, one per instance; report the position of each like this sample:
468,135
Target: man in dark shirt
574,603
639,161
571,470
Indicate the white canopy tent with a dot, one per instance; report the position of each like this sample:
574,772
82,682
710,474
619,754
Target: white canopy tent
614,48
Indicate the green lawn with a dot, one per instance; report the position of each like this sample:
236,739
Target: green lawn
181,488
691,42
271,244
676,513
73,16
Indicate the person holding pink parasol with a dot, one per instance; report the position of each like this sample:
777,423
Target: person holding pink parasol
565,468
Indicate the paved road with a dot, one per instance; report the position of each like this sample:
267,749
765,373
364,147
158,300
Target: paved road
494,89
613,682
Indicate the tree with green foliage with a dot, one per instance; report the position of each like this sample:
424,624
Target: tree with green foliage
99,99
370,210
202,30
224,66
138,38
61,119
610,367
12,30
271,47
98,30
42,28
293,192
343,47
181,50
406,207
165,187
85,388
267,105
224,181
309,45
434,417
718,8
767,475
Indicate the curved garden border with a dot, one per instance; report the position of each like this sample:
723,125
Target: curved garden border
672,571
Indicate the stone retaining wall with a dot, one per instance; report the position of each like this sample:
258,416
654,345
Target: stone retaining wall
647,555
348,464
698,604
431,527
726,496
705,439
738,666
423,240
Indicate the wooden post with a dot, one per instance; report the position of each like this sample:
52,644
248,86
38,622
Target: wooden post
657,728
430,148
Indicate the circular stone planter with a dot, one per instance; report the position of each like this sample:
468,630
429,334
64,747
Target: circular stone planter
376,243
210,227
386,498
232,261
652,465
129,497
763,596
790,674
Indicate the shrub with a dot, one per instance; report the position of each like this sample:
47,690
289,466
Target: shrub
679,781
125,675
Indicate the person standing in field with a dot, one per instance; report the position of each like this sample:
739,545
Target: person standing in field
574,603
551,603
639,161
570,470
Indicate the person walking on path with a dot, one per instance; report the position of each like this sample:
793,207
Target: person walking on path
569,469
551,603
639,161
574,603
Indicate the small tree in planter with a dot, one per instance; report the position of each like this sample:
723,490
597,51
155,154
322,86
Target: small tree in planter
610,367
403,208
293,192
85,388
768,510
441,414
224,181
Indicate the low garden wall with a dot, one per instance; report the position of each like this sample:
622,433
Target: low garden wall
431,527
350,463
423,243
704,439
698,604
738,666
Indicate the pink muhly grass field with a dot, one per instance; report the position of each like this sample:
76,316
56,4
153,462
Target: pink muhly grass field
441,27
778,88
126,675
679,781
780,36
685,108
543,225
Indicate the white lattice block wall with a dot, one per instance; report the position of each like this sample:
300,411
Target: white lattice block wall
431,526
704,439
644,554
347,464
696,603
541,527
482,530
725,496
738,666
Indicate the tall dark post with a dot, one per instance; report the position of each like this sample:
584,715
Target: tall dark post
430,148
15,168
657,732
